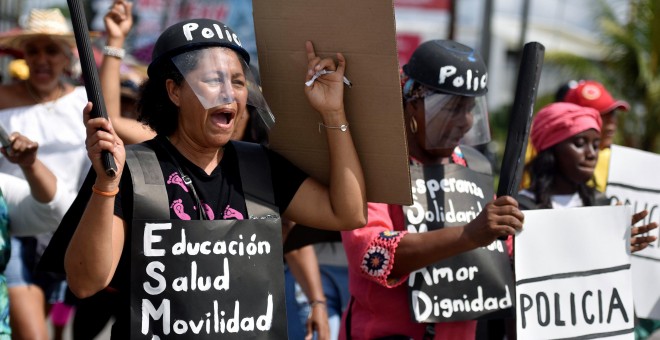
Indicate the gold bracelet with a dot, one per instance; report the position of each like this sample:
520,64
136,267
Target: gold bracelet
112,193
316,302
342,127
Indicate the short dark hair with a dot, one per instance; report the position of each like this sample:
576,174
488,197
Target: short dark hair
154,106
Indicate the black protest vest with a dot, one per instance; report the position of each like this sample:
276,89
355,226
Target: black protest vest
150,197
205,279
476,284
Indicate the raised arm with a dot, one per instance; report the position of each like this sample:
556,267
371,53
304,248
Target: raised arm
95,248
342,204
36,204
118,22
23,152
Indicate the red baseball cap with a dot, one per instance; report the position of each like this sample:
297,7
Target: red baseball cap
593,94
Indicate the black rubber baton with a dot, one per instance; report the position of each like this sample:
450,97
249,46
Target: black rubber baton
90,74
520,121
513,161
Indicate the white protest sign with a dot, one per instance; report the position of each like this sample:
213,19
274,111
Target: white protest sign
573,274
633,180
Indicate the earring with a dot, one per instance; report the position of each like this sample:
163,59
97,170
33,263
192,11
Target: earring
413,125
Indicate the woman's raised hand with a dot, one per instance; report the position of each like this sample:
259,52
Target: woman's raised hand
119,20
325,93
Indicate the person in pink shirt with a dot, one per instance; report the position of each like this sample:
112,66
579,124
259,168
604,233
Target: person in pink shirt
444,87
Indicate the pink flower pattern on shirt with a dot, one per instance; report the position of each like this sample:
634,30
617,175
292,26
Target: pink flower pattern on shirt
378,259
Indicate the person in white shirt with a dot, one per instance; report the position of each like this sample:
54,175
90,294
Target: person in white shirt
28,207
46,106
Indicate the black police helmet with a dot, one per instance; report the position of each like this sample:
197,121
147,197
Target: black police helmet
448,67
191,35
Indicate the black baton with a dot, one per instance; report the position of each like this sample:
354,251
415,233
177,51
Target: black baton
513,161
90,74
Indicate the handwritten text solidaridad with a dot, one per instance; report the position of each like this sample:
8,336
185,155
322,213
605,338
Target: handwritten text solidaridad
465,286
633,181
216,315
436,189
583,285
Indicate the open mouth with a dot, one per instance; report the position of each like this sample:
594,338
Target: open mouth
223,117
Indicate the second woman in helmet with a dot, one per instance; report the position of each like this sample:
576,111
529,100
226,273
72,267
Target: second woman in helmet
444,85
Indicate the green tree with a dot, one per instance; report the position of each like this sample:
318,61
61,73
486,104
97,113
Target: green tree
630,68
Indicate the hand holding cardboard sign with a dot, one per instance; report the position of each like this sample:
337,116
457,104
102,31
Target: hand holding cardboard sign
500,217
322,72
326,93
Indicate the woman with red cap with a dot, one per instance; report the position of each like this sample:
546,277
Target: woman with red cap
567,137
590,93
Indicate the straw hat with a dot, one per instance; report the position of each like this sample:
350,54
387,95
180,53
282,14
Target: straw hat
49,22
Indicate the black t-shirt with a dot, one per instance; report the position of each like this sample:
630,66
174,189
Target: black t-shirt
220,192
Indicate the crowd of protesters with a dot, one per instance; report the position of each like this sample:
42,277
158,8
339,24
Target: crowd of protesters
202,130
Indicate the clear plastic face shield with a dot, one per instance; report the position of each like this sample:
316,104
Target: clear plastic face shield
218,76
452,120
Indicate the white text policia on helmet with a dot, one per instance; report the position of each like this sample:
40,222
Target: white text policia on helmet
471,82
209,34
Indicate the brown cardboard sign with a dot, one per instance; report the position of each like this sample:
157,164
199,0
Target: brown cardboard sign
364,31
